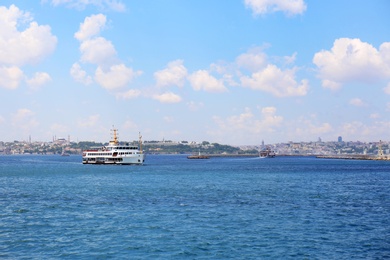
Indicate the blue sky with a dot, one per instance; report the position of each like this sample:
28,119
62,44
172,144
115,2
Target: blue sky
232,72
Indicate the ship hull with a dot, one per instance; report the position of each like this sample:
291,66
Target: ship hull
138,159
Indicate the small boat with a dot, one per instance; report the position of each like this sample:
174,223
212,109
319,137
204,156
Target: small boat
63,153
199,156
115,153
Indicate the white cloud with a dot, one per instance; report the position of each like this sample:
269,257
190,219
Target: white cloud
110,72
130,94
168,119
19,48
24,119
89,122
39,79
290,59
263,76
253,60
387,89
59,128
130,125
91,26
375,116
290,7
168,97
228,72
116,77
173,75
97,51
277,82
193,106
248,126
309,128
202,80
10,77
351,60
358,130
23,47
114,5
357,102
353,129
80,75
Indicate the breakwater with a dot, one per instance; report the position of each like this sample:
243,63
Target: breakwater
355,157
232,155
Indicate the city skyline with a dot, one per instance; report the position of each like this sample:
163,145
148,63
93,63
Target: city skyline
234,73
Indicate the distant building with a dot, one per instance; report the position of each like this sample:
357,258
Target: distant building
340,139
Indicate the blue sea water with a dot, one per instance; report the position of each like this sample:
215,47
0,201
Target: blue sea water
174,208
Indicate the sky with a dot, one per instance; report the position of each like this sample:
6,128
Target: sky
232,72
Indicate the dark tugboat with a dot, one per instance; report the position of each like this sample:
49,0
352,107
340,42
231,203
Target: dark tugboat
267,153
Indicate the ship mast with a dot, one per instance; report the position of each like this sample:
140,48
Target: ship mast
115,137
380,151
140,142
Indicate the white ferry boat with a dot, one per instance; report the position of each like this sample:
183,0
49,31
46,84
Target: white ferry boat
115,153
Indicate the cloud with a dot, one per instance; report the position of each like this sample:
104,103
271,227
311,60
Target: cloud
307,129
23,47
130,125
202,80
10,77
59,128
289,7
354,128
253,60
114,5
168,97
130,94
254,70
110,72
24,119
80,75
168,119
247,125
39,79
91,26
193,106
277,82
173,75
19,48
116,77
375,115
357,102
387,89
351,60
97,51
91,121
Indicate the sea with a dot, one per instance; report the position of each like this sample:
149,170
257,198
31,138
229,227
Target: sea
54,207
